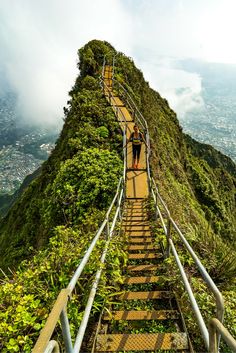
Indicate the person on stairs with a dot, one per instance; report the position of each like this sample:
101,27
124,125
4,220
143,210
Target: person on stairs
136,138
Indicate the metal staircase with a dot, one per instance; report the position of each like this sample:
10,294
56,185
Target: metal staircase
146,255
146,315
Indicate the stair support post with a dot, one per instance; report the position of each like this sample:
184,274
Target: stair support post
65,326
108,228
168,237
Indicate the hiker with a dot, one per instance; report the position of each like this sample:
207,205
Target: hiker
136,138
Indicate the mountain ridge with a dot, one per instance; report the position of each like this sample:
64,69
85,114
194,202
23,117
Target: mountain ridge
173,151
49,227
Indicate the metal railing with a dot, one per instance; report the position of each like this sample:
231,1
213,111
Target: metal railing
169,224
215,326
211,337
44,343
59,310
135,112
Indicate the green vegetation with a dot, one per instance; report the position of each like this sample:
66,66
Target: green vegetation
49,227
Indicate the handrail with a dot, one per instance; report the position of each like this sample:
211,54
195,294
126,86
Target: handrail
85,259
216,326
59,308
44,344
88,308
167,229
211,336
47,331
206,277
137,114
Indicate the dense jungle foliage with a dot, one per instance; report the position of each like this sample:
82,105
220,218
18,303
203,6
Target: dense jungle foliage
61,209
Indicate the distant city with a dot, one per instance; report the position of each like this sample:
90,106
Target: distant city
22,149
215,123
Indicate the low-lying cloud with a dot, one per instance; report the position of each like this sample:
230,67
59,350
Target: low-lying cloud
182,89
39,43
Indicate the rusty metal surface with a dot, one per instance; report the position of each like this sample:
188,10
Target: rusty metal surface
129,209
143,268
140,219
142,247
145,295
136,223
137,207
136,239
141,279
142,315
141,341
144,256
140,233
136,228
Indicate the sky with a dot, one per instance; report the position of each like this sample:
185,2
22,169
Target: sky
39,42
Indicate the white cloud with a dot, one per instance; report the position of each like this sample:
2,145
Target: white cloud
39,42
182,89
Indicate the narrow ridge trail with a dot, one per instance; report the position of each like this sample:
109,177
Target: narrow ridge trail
145,316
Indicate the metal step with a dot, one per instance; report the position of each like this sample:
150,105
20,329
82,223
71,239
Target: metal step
142,315
145,295
142,247
136,223
135,219
136,227
137,207
142,279
144,256
135,213
141,341
138,239
143,267
135,233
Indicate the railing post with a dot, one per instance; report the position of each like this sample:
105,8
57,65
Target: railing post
66,331
108,228
120,216
52,347
215,326
168,237
212,339
156,200
118,207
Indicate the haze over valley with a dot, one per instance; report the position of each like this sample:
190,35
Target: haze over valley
212,120
23,148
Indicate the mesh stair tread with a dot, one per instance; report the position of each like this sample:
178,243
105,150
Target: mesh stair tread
145,295
137,215
142,315
136,239
144,256
141,341
149,267
135,233
136,212
142,247
141,279
134,223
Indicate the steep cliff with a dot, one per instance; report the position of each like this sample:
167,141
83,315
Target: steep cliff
57,214
197,182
